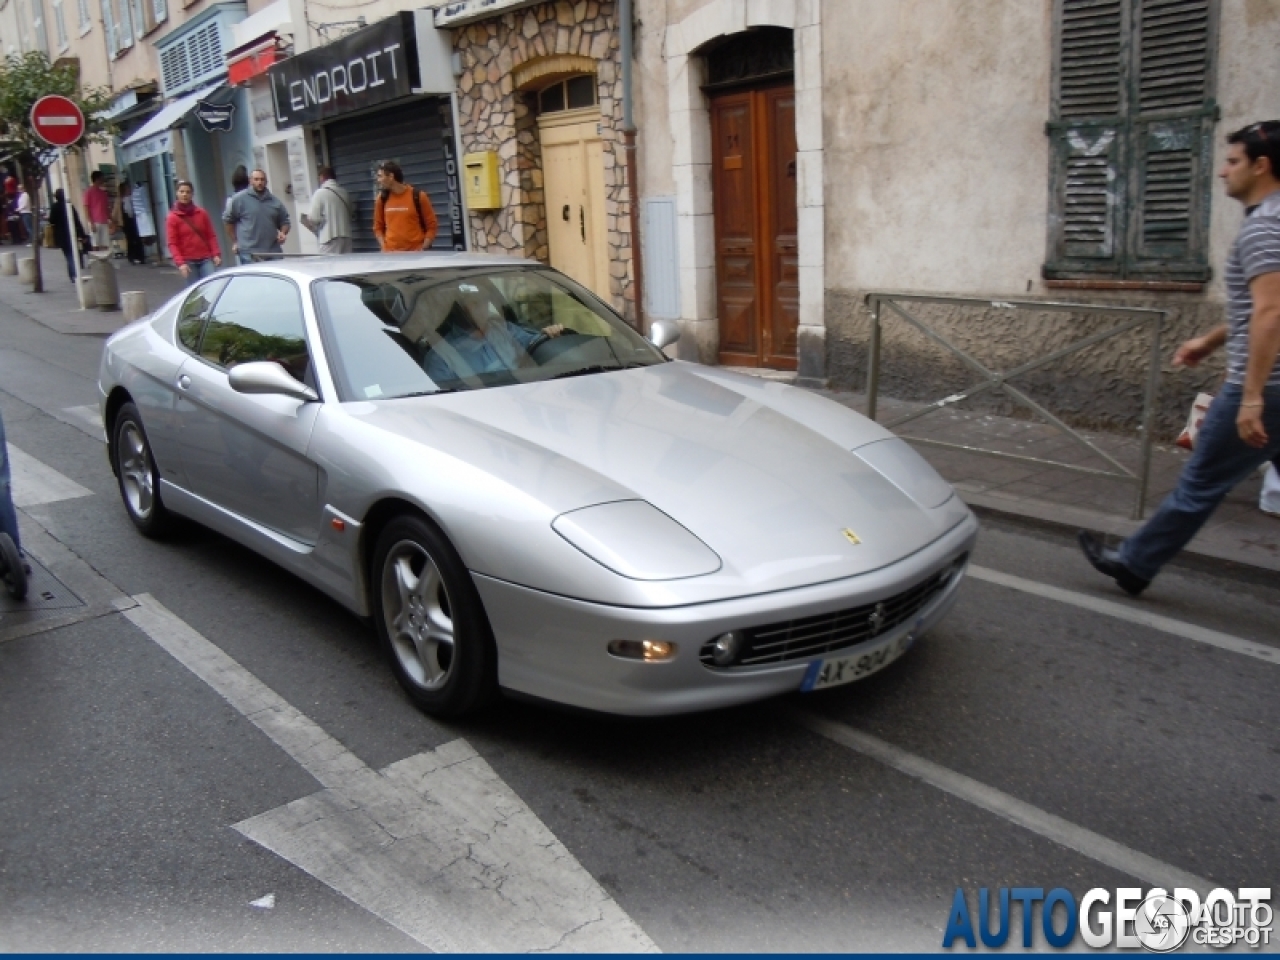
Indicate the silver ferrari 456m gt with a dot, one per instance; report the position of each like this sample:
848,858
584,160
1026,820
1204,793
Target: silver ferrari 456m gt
525,494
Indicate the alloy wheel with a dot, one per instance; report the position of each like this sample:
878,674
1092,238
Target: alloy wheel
418,615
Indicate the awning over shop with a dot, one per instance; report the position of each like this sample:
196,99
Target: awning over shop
154,136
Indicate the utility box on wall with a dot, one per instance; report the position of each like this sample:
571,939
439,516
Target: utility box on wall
483,191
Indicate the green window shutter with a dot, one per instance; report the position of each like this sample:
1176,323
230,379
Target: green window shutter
1171,136
1088,138
1131,139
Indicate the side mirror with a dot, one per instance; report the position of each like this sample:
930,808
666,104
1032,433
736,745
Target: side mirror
663,333
267,376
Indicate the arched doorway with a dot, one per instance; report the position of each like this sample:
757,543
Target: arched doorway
751,101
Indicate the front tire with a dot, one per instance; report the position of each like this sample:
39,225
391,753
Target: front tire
430,620
137,475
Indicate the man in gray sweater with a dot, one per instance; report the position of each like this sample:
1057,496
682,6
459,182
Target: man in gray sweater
257,222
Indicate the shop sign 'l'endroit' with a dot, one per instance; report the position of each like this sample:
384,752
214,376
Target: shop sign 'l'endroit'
373,65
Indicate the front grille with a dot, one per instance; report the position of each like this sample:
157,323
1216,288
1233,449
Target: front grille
810,636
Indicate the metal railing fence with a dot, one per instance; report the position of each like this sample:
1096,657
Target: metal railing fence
997,381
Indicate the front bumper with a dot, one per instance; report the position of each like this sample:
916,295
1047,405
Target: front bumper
555,648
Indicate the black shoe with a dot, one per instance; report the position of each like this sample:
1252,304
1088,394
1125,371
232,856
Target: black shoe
1107,561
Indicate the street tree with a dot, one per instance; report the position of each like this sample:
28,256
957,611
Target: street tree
24,79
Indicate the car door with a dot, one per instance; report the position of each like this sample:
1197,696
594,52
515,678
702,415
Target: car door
248,452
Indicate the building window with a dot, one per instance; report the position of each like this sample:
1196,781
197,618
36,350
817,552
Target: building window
37,26
86,18
572,94
60,25
159,11
1131,139
116,21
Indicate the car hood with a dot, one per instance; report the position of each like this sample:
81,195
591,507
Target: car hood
762,473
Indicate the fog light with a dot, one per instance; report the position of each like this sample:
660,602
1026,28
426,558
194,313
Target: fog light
650,651
726,648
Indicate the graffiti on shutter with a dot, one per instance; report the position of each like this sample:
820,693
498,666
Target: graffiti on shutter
1091,189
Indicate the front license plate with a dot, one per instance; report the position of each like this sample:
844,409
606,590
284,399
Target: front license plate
834,671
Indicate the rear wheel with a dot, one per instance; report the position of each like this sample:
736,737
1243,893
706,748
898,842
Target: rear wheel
137,474
430,620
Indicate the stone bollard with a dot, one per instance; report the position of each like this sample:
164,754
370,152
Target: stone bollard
135,305
8,263
106,289
27,270
90,292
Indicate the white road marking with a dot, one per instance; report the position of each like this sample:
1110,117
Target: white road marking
1110,608
436,845
1041,822
90,414
33,483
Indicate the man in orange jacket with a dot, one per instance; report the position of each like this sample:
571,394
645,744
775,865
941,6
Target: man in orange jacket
403,218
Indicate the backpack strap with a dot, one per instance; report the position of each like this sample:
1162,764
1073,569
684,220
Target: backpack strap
417,208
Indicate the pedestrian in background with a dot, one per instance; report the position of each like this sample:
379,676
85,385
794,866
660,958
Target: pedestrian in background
257,222
403,218
97,204
126,221
330,215
239,181
23,206
1241,430
7,206
193,243
71,247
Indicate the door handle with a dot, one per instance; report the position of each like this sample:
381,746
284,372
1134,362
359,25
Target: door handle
565,213
582,222
184,382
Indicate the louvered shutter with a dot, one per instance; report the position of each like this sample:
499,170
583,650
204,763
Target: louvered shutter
1131,139
1086,223
111,28
1172,137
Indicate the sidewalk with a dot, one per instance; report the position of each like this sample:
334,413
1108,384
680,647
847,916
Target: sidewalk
58,308
1237,532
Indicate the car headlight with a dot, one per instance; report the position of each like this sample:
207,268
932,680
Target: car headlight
636,540
898,463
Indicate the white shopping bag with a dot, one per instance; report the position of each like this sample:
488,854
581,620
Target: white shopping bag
1269,500
1187,439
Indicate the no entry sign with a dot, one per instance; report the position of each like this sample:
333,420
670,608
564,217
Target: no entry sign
57,120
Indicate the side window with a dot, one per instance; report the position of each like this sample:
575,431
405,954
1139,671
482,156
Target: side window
257,318
191,316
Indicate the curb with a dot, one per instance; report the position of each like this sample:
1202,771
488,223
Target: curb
1059,516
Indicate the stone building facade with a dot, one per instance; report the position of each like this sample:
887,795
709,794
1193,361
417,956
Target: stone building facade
505,61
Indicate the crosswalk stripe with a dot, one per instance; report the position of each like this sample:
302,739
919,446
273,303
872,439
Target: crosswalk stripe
34,483
436,845
1041,822
1119,611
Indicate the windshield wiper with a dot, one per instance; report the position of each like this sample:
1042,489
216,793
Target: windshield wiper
425,393
583,371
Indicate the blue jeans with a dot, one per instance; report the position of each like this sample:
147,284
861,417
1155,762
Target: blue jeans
199,270
8,517
1221,460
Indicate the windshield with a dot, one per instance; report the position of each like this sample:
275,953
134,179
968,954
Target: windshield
405,333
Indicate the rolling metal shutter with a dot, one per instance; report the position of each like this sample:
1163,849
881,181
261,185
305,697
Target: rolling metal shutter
412,134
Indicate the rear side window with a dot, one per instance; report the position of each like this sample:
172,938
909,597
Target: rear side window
194,310
257,318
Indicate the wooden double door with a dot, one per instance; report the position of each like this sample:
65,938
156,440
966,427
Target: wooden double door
753,162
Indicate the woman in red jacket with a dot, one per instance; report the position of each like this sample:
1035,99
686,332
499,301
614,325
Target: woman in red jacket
193,244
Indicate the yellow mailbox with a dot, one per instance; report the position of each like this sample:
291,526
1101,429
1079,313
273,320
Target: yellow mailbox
481,172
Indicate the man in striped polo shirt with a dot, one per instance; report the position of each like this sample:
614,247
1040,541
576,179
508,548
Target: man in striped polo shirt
1241,430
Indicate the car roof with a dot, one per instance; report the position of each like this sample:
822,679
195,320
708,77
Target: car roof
338,265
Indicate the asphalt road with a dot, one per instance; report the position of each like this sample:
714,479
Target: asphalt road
1007,749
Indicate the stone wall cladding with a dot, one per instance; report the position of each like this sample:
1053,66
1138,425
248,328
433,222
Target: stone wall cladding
493,115
1099,388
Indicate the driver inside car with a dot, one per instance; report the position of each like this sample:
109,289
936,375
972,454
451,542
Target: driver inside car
482,338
